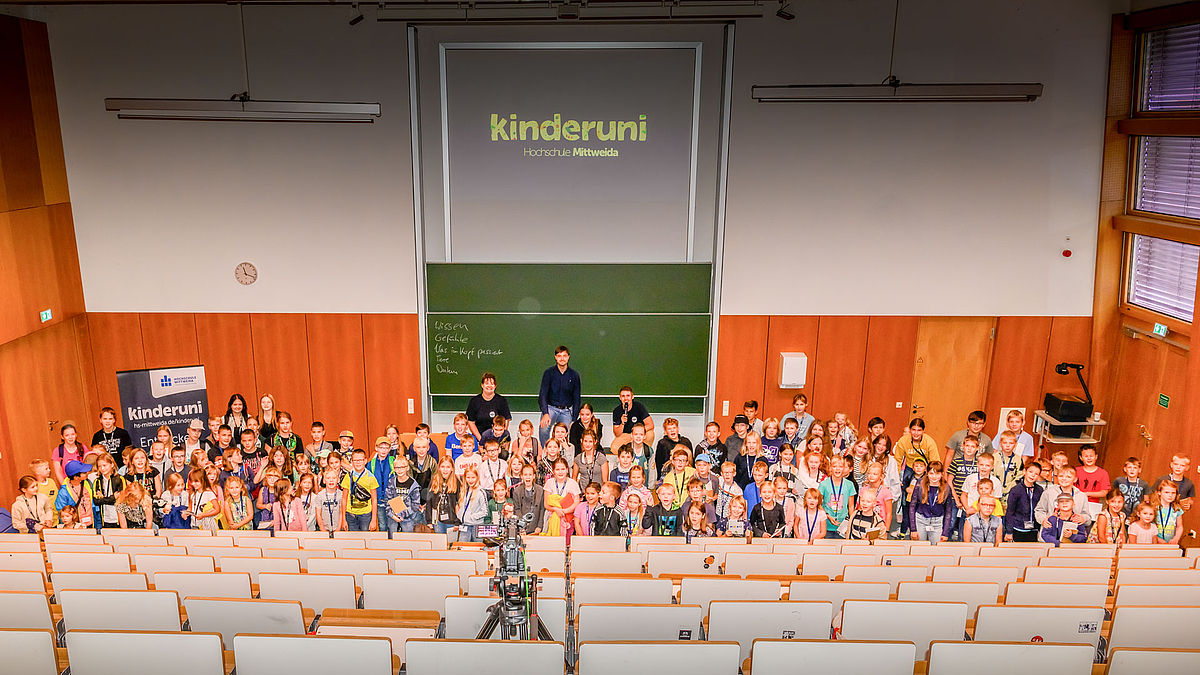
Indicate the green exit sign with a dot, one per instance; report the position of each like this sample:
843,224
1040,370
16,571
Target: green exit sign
46,315
1164,400
1160,330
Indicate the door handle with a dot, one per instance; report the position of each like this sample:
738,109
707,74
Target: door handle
916,407
1145,435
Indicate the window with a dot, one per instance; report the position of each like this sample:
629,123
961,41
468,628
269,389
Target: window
1171,69
1168,176
1162,276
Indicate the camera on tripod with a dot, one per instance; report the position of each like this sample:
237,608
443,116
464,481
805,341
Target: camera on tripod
516,611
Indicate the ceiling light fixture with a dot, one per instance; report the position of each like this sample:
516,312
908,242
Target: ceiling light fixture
783,12
485,11
358,15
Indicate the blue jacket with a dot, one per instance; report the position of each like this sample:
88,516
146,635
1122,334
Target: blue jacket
1020,506
1052,532
926,508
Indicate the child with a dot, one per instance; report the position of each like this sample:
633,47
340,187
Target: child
1009,466
712,445
40,468
69,519
67,451
697,524
669,441
984,525
986,489
750,411
140,471
837,443
637,486
643,454
1179,469
753,490
966,469
749,455
784,496
846,430
704,474
498,501
265,503
975,422
491,467
1062,525
767,518
734,442
634,514
159,460
814,469
403,497
608,518
565,449
1023,498
912,476
497,432
916,444
680,474
239,509
31,512
590,465
858,460
799,415
727,491
1091,479
1058,462
525,445
515,465
178,466
583,514
545,465
528,497
865,523
1110,523
791,434
203,505
1065,485
737,523
562,498
930,512
361,491
175,502
105,490
660,519
454,441
975,485
330,514
771,440
320,448
1168,513
423,461
811,520
1132,486
472,504
134,510
306,497
1015,421
695,495
1143,530
442,503
620,472
467,458
837,495
883,494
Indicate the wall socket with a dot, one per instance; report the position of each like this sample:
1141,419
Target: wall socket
899,405
724,408
412,409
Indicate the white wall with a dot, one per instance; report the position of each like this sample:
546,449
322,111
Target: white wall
918,209
165,210
832,209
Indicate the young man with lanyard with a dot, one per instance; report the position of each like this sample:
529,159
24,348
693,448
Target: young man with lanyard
191,443
359,487
491,467
252,458
112,437
628,413
382,466
560,393
320,448
346,443
284,438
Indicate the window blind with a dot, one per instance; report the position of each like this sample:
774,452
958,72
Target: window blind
1163,276
1168,178
1171,69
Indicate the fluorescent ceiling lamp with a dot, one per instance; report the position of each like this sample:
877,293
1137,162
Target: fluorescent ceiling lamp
897,93
241,111
550,10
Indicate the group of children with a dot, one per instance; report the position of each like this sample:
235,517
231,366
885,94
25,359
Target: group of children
797,477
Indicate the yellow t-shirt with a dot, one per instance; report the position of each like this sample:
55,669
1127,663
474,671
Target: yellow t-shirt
366,482
49,488
999,507
926,449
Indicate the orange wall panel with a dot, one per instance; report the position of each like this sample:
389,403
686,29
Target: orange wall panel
83,336
280,345
1018,365
61,225
840,365
393,373
224,348
788,334
44,106
888,372
339,380
20,171
741,349
116,345
1070,342
169,340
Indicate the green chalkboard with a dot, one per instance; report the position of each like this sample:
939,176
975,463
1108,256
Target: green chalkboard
646,326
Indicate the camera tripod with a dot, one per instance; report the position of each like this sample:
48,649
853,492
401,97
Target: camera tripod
510,614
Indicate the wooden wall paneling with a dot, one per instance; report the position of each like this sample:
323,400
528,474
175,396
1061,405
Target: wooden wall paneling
280,347
61,377
38,280
888,372
1070,342
44,106
20,171
8,460
37,249
1140,360
116,340
393,371
741,364
225,349
1169,422
1018,367
840,365
339,378
169,340
788,334
13,321
87,365
950,375
61,225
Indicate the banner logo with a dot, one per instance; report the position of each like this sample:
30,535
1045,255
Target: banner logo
557,129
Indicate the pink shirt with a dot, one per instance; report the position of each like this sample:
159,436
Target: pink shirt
291,519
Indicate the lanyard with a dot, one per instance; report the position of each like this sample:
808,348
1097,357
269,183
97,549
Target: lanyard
331,505
285,514
588,466
1163,522
1008,467
491,470
810,526
467,506
239,510
559,490
837,494
307,499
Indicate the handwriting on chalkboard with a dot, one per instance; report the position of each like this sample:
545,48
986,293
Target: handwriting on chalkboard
452,347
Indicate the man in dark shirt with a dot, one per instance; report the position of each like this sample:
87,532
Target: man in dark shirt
628,413
559,397
112,437
483,408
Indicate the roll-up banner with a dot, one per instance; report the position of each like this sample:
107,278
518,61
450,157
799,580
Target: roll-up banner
170,396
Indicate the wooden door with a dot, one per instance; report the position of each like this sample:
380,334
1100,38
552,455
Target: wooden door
1138,425
954,357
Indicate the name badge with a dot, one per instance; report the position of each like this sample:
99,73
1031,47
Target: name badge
929,528
1028,525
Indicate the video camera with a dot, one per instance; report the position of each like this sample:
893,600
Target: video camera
516,611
